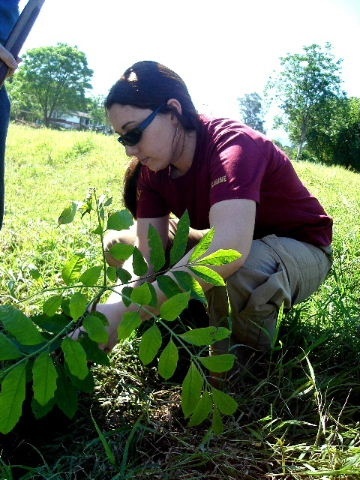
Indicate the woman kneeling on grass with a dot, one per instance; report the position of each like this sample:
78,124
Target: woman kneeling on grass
226,176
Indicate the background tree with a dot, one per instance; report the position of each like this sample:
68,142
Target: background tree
96,110
305,85
52,79
251,111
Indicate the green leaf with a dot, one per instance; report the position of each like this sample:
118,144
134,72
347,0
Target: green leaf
180,242
121,251
218,363
93,352
205,336
130,321
203,245
209,275
20,326
150,344
220,257
75,358
53,324
52,305
68,214
66,395
8,350
202,410
123,275
91,276
191,390
171,309
226,404
40,411
12,397
188,283
141,294
217,425
78,305
157,252
121,220
140,266
111,273
154,300
168,360
126,295
71,270
96,329
167,285
44,378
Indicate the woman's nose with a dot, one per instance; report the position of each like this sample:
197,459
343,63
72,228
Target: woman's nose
131,151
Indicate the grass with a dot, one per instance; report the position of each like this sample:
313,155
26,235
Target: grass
299,407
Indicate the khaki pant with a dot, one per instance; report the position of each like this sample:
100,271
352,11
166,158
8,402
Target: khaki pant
278,271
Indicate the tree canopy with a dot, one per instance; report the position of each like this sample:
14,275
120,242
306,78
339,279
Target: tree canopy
305,87
52,79
251,110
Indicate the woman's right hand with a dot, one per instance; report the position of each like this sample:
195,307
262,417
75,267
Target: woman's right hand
8,59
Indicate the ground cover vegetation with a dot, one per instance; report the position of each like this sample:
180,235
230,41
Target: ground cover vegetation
296,410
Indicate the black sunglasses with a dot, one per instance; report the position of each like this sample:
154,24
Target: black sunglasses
133,136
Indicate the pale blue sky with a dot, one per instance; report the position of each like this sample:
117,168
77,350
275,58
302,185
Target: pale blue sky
222,49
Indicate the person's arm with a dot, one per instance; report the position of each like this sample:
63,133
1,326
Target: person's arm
233,221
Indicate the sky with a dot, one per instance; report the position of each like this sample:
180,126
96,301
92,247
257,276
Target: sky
222,49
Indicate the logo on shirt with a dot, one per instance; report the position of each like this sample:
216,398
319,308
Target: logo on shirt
222,179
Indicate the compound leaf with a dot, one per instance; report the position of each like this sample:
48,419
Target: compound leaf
188,282
179,246
71,270
150,344
168,360
91,276
226,404
140,266
120,220
202,410
157,252
12,397
191,390
130,321
78,305
171,308
20,326
121,251
44,378
205,336
75,358
52,305
167,285
209,275
68,214
220,257
96,328
218,363
202,246
8,350
141,295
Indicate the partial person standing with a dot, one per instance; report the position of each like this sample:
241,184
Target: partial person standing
9,12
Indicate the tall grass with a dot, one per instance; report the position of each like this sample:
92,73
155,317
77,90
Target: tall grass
299,408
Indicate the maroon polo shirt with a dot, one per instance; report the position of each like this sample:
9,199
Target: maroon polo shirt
232,161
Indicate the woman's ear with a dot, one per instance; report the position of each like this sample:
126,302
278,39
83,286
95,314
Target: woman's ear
174,104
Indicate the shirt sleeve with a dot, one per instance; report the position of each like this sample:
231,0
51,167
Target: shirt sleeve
237,168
